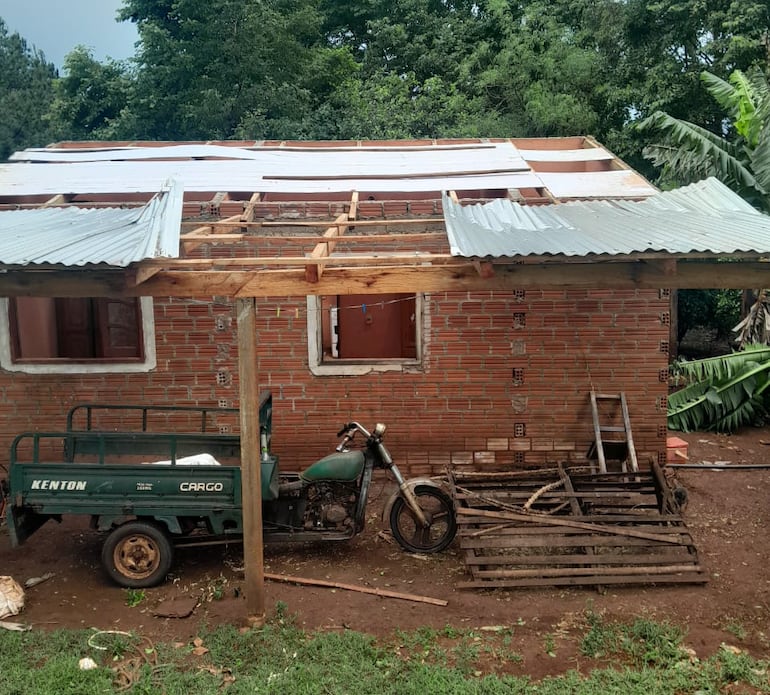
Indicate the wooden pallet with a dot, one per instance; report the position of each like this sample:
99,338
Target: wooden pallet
572,527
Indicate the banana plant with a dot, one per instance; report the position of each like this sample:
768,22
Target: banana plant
721,393
689,152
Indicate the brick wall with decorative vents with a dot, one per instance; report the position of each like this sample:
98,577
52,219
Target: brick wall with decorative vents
504,379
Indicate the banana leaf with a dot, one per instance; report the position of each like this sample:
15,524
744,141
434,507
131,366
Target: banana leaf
724,393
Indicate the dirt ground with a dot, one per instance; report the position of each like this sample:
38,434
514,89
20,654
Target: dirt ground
728,513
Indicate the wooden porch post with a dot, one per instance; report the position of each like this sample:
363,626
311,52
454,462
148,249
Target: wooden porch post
251,474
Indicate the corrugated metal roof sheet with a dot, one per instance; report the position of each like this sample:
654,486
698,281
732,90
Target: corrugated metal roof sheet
79,236
703,217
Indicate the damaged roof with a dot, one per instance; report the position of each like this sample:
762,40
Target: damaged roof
705,217
573,167
74,236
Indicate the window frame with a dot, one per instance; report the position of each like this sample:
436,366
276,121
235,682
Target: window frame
357,366
94,365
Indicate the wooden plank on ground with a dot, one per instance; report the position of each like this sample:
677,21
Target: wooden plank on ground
596,529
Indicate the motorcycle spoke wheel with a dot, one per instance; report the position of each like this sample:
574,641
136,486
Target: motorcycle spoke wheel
439,512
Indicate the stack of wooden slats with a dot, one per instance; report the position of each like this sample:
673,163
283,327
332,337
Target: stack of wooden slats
572,527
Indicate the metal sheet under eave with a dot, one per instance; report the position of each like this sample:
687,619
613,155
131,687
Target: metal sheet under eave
703,217
79,236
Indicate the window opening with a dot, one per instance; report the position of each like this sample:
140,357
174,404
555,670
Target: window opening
369,327
45,329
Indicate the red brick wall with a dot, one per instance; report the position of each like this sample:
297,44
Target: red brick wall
504,382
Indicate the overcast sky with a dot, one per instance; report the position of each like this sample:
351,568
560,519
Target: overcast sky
57,26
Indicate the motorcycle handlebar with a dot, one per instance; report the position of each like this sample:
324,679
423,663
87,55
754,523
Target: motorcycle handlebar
353,426
344,430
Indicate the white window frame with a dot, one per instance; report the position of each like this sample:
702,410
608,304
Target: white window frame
362,366
147,364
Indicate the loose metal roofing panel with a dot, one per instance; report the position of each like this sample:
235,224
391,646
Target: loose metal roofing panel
79,236
705,217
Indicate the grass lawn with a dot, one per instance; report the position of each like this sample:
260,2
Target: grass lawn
645,657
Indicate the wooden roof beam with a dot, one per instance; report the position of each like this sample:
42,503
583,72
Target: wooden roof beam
458,275
325,248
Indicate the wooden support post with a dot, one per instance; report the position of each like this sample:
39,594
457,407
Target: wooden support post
251,474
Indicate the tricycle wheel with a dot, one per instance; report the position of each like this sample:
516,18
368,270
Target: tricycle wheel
439,511
137,554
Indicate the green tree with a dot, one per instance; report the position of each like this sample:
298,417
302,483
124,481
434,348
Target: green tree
92,99
26,90
217,68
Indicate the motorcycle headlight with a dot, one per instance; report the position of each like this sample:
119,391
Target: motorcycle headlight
379,429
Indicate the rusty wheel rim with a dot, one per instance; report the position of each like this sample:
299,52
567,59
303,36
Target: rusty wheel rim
136,556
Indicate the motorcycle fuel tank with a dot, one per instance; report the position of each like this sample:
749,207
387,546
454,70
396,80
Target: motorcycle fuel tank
345,466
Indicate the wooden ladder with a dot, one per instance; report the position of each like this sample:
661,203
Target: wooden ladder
626,443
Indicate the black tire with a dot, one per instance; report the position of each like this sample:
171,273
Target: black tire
137,554
442,523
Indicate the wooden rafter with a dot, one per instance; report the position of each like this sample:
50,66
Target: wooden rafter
325,248
200,234
249,210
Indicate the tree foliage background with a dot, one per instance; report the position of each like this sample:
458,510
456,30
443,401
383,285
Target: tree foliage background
331,69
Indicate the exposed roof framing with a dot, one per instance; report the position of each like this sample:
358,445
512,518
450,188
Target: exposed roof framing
301,229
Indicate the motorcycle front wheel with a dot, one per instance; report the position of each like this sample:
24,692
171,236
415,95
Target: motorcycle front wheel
439,511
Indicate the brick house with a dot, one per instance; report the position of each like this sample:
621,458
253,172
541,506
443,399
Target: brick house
364,311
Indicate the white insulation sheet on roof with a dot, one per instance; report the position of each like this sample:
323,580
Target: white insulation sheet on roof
78,236
706,217
621,183
304,164
237,175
